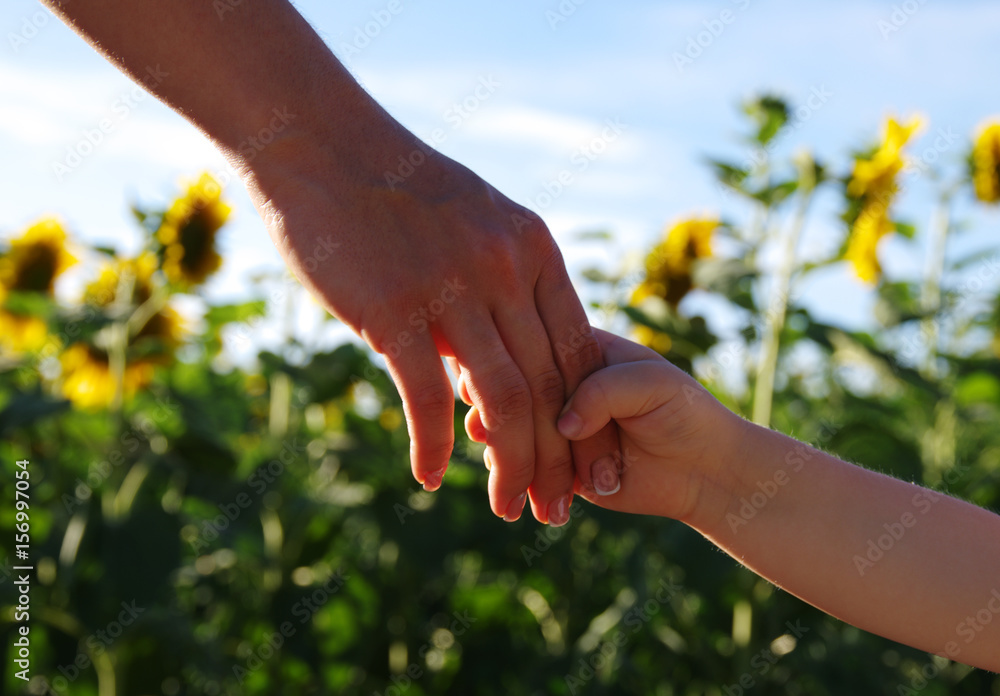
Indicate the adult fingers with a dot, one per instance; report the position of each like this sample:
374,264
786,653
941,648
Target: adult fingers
463,388
501,395
577,354
474,426
428,402
524,335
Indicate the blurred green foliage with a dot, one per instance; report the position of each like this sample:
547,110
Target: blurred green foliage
237,531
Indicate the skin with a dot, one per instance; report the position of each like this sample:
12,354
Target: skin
440,264
801,518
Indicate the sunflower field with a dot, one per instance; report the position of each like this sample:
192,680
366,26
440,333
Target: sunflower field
201,528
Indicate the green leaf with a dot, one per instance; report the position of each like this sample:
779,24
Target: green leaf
35,304
775,194
594,236
227,314
905,229
729,175
596,275
977,388
770,113
976,257
731,278
899,302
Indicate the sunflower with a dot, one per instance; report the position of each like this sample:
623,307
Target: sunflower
876,175
872,187
651,338
165,327
668,265
31,265
872,224
21,332
88,380
986,163
139,271
187,233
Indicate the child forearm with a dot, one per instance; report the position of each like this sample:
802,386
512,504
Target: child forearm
890,557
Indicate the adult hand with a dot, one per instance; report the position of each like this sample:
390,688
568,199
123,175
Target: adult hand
422,265
440,263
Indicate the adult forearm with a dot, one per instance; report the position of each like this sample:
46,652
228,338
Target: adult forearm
251,75
911,564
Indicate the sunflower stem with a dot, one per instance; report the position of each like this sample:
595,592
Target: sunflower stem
774,317
930,295
119,339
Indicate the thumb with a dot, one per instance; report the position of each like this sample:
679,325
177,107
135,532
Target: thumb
620,391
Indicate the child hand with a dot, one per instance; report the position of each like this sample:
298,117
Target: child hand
676,438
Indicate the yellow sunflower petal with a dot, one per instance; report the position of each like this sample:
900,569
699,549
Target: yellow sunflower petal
986,163
668,265
188,230
88,382
36,258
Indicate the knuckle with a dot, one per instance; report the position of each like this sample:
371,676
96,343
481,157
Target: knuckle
549,390
431,399
581,353
506,399
554,475
514,474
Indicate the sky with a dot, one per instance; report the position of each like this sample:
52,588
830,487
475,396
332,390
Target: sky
628,97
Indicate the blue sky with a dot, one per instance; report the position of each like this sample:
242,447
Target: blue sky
559,73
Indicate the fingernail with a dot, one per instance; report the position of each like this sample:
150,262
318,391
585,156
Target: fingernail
432,481
488,460
605,476
559,511
514,509
569,424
